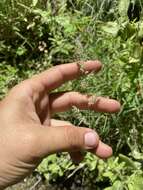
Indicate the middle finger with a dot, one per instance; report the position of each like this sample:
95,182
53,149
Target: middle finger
60,102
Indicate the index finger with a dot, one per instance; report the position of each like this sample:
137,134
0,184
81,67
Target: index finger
58,75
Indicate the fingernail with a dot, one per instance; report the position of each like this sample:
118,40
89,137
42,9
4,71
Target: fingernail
90,139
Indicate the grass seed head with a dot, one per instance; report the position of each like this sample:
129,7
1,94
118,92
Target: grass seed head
92,100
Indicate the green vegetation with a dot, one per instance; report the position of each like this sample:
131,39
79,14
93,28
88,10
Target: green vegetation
35,35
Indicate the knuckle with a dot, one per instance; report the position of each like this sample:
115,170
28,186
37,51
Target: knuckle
20,90
73,138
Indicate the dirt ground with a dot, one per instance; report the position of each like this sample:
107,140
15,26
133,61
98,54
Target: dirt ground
36,182
32,183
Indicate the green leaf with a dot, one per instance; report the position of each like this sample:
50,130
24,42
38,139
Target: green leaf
116,186
34,3
21,51
128,161
111,28
137,155
136,182
123,7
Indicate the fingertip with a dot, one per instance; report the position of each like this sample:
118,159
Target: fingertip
103,150
103,104
116,106
99,64
93,66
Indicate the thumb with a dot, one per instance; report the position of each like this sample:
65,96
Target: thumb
66,138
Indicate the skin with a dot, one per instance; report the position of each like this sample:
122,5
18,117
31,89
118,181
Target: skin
27,132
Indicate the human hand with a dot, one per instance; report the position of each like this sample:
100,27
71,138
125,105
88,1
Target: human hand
27,133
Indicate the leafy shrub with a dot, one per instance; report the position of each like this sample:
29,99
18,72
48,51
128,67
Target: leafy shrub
36,35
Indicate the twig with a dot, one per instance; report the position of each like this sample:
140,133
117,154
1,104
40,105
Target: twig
37,183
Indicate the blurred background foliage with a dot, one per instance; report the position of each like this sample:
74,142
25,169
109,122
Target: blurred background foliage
38,34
